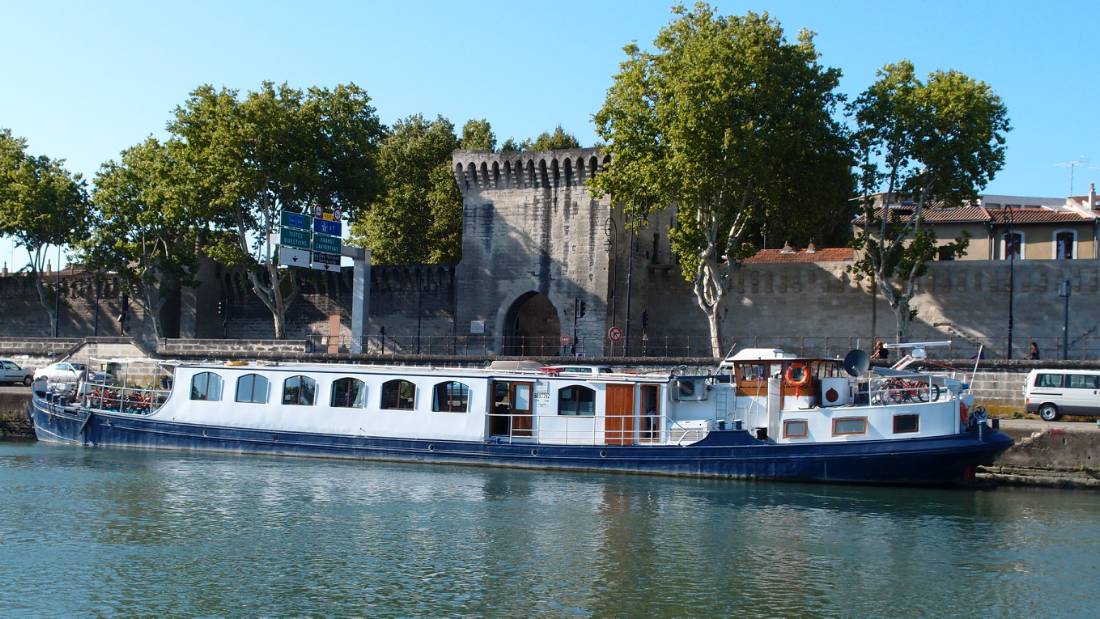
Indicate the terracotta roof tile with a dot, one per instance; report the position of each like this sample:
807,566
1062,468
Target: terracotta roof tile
823,254
1035,216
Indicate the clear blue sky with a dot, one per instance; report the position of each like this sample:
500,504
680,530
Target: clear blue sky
84,80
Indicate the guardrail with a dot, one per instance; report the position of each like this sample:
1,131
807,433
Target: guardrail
577,429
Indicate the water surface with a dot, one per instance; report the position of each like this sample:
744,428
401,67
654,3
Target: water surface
114,532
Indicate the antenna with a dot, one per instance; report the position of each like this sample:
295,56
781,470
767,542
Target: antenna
1080,161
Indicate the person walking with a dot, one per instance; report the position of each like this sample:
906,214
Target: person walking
1033,351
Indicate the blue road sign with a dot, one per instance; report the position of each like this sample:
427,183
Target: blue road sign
296,220
331,228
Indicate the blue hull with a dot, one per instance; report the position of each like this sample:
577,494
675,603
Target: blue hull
729,454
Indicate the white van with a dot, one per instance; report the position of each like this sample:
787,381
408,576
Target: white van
1053,393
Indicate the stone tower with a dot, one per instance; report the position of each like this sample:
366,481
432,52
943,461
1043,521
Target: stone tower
536,250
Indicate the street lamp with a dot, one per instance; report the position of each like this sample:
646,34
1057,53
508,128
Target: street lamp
1064,291
1010,247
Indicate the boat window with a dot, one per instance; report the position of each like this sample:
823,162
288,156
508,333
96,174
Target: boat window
349,393
450,397
576,400
795,428
206,386
904,424
843,426
299,391
252,388
399,395
1083,381
1048,380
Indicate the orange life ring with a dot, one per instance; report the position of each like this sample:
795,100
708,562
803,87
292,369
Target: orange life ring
803,380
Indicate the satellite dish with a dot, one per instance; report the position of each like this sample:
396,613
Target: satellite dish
856,363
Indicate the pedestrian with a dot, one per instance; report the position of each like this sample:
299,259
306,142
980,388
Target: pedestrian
881,351
1033,351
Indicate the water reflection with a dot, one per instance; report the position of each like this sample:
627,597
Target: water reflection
156,533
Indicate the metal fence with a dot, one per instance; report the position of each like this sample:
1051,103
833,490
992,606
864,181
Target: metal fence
688,346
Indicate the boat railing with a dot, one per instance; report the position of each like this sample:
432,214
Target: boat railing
577,429
121,399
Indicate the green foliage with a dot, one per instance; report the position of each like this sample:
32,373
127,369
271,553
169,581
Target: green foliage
478,135
278,148
510,146
418,218
558,140
732,124
935,142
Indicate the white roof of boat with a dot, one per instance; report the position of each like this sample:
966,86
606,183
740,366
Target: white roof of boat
510,368
761,354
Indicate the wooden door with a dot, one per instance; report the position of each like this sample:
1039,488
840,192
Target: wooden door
521,408
619,415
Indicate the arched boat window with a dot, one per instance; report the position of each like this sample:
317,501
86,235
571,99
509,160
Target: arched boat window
206,386
577,400
399,395
349,393
253,388
299,391
451,397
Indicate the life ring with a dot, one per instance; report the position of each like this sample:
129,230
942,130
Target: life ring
803,379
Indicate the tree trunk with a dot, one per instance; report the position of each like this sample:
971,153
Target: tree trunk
152,302
715,331
38,259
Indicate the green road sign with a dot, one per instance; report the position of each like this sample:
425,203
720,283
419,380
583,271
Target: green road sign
296,220
327,244
293,237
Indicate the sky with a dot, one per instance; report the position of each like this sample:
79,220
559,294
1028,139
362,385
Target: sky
83,81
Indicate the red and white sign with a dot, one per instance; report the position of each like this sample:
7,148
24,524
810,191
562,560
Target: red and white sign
614,334
565,340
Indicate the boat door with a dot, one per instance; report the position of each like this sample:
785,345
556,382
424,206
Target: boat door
649,413
511,414
618,428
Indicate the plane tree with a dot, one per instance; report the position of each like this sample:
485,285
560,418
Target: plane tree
41,205
936,142
273,150
726,121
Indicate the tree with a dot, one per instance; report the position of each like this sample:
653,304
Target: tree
418,218
558,140
510,146
723,122
147,221
278,149
478,135
935,142
41,204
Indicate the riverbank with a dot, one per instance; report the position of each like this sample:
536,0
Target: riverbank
14,424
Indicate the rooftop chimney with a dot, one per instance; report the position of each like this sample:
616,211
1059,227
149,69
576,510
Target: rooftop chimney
811,248
787,249
1092,196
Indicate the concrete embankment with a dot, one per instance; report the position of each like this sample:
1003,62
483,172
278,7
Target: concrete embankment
13,415
1057,455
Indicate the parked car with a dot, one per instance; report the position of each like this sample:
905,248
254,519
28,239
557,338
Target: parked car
1053,393
10,372
68,372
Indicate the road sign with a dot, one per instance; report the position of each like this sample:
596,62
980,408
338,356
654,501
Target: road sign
317,210
326,262
331,228
291,257
614,334
337,213
564,340
296,220
327,244
293,237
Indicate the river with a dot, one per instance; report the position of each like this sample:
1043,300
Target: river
105,532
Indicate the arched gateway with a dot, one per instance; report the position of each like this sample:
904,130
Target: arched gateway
532,327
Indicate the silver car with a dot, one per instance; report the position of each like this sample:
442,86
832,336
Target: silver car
10,372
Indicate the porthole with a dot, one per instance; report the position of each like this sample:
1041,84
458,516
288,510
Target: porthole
603,453
431,447
534,452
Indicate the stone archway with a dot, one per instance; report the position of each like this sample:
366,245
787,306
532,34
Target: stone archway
532,327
